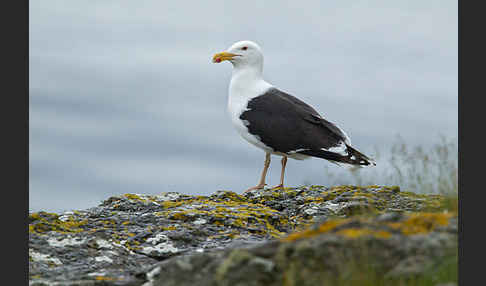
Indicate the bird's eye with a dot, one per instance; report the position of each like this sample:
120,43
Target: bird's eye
244,48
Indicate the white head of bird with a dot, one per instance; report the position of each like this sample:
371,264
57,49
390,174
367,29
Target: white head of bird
243,54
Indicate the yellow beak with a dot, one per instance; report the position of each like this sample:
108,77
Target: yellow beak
224,56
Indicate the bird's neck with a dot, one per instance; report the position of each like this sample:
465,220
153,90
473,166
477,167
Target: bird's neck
248,73
247,80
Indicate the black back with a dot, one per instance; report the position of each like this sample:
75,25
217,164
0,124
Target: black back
285,123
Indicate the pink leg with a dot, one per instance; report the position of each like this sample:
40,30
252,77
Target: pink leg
282,174
262,184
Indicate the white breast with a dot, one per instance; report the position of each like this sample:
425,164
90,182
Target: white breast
242,89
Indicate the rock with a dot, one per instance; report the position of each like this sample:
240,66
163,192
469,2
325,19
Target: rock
258,238
315,255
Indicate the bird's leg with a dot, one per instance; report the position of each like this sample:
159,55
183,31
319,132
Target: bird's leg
282,174
262,184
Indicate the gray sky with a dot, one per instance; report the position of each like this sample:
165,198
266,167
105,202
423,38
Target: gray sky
124,97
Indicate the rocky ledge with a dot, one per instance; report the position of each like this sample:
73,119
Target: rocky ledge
294,236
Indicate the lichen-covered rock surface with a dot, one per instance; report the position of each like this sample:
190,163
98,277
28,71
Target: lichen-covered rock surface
265,237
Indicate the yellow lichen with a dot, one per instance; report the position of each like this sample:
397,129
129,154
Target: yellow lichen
358,232
34,216
415,223
325,227
179,216
104,278
228,213
171,204
44,222
232,196
134,197
419,223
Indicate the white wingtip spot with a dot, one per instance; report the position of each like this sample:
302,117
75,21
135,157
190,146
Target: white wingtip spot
340,149
298,150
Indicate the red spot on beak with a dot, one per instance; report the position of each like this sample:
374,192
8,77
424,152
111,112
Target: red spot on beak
218,60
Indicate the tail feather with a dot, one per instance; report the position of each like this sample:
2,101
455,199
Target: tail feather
354,157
